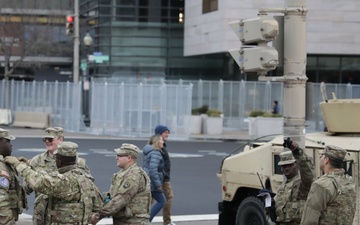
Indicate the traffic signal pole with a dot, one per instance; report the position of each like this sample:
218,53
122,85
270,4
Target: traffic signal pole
262,59
294,79
295,70
76,61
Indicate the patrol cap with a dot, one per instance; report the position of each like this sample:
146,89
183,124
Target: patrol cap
67,148
5,134
286,158
334,152
54,132
128,149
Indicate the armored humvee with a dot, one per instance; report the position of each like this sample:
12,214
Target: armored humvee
243,174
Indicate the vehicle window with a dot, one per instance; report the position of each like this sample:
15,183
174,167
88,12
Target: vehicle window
277,168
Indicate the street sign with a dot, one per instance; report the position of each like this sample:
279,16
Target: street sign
83,65
98,58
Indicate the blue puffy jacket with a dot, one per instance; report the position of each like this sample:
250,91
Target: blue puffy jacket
153,165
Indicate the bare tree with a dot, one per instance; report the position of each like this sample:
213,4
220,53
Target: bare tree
28,35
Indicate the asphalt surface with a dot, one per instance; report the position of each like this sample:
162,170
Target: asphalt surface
202,222
178,219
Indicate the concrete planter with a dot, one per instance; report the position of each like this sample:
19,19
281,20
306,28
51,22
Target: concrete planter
261,126
196,124
214,125
5,117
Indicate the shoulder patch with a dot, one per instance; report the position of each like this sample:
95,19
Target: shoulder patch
5,173
4,182
126,185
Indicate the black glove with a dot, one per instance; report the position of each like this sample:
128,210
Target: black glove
292,145
287,143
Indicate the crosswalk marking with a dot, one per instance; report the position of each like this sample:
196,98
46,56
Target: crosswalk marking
111,153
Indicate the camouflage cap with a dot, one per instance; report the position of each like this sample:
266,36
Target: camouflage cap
54,132
334,152
286,158
5,134
67,148
128,149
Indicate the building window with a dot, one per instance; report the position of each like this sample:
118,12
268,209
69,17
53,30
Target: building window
210,5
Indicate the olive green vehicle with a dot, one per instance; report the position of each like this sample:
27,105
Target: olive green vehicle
243,175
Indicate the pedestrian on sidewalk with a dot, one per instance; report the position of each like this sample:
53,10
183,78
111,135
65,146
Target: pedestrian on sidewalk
154,167
12,196
164,132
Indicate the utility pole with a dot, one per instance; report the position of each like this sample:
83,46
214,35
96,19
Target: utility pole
262,58
76,43
295,70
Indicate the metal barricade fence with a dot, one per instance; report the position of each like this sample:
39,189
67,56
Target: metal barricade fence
135,109
60,100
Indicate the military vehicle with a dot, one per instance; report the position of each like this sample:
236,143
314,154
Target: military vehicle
244,174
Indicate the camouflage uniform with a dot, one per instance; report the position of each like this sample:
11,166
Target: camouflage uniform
332,198
12,196
291,195
130,194
47,164
72,196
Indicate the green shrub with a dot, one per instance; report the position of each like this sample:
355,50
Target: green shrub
213,113
263,114
201,110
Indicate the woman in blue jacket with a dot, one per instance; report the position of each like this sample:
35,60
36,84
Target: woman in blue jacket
154,167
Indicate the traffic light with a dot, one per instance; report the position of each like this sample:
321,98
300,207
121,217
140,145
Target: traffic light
69,25
254,54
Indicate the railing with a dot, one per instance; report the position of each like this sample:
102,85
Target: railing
134,108
60,100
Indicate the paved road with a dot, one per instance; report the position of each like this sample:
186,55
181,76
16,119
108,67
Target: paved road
194,167
203,222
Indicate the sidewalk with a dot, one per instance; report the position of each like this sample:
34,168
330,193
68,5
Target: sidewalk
35,133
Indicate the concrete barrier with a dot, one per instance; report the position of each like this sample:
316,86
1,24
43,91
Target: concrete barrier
32,119
5,117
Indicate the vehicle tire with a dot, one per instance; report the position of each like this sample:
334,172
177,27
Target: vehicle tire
251,212
226,214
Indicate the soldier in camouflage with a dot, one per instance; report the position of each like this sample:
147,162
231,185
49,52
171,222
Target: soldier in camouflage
72,196
291,195
12,196
332,197
129,196
46,161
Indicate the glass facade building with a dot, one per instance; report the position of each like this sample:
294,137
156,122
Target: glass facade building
142,38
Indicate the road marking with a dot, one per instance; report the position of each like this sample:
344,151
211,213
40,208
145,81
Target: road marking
156,219
213,152
111,153
181,155
31,150
42,150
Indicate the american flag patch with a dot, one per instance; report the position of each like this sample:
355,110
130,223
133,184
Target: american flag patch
5,173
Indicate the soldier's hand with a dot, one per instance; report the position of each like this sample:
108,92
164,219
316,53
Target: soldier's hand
294,146
94,219
25,160
290,144
12,160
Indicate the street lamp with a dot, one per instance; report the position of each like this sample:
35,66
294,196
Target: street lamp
88,40
86,77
